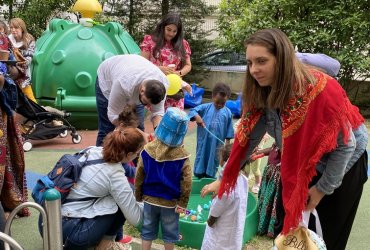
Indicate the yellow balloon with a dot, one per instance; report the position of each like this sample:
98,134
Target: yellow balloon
174,84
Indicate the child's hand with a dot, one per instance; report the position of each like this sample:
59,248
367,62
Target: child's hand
179,209
188,89
211,188
200,122
211,221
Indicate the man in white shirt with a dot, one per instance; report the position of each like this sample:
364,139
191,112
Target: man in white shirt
127,79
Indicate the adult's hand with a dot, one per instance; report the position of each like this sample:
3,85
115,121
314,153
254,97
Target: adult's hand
166,70
211,188
314,197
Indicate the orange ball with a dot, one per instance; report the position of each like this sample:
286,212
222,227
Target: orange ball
193,218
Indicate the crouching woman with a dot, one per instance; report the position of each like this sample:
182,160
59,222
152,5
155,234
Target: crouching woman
102,199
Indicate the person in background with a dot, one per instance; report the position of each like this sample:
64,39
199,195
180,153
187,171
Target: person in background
163,180
217,119
4,32
23,46
13,186
102,199
127,79
255,167
321,134
167,49
226,221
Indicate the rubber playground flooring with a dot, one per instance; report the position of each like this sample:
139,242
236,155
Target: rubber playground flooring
45,153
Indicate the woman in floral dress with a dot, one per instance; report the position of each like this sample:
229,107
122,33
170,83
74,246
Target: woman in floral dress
167,49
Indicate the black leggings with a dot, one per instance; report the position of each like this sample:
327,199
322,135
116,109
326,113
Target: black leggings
338,210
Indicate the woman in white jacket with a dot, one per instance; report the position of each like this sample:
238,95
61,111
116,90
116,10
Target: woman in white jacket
94,222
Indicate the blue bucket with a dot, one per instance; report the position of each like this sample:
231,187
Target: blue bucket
173,127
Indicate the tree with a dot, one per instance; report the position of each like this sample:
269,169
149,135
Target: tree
36,13
138,17
337,28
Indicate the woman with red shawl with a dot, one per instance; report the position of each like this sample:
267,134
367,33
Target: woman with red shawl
321,135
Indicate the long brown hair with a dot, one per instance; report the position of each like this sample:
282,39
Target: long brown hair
119,143
27,38
177,41
290,78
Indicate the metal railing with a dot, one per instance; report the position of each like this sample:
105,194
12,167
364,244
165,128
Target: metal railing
51,222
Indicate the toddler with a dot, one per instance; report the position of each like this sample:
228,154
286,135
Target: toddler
226,221
214,120
163,179
255,167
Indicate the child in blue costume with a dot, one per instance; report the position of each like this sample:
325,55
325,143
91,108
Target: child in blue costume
163,179
217,118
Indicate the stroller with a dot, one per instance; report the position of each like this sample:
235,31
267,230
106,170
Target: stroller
43,123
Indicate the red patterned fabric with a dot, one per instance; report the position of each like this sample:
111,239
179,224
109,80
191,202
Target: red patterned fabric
13,186
311,124
167,53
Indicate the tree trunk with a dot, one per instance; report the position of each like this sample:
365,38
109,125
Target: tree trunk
165,7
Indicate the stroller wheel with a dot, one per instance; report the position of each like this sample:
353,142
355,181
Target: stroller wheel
63,134
27,146
76,139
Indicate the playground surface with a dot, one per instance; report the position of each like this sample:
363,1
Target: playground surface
45,153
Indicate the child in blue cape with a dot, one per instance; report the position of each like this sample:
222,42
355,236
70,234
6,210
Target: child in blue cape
217,119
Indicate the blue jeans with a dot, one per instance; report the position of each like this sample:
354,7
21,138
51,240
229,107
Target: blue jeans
104,124
82,233
153,215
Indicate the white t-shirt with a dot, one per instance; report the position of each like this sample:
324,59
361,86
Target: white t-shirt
120,78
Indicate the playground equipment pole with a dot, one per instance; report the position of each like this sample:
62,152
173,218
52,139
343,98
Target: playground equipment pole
53,212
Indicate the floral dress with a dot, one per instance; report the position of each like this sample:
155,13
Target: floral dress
167,56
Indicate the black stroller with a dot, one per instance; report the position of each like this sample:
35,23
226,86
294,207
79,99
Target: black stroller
43,123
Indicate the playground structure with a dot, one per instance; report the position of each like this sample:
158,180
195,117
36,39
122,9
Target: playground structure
66,59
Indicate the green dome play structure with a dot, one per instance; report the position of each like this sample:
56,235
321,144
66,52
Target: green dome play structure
65,63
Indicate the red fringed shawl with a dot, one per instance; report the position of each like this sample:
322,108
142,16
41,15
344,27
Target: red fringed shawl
311,124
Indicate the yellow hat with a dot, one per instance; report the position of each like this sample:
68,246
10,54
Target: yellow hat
174,84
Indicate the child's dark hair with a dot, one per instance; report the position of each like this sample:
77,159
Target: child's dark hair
128,116
5,27
221,89
177,41
225,152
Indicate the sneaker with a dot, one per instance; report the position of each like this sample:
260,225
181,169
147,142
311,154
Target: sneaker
127,239
255,189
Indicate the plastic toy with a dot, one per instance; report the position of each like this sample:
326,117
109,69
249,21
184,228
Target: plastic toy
193,218
66,60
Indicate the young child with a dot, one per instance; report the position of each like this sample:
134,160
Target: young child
217,119
226,221
128,118
270,204
255,166
163,179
